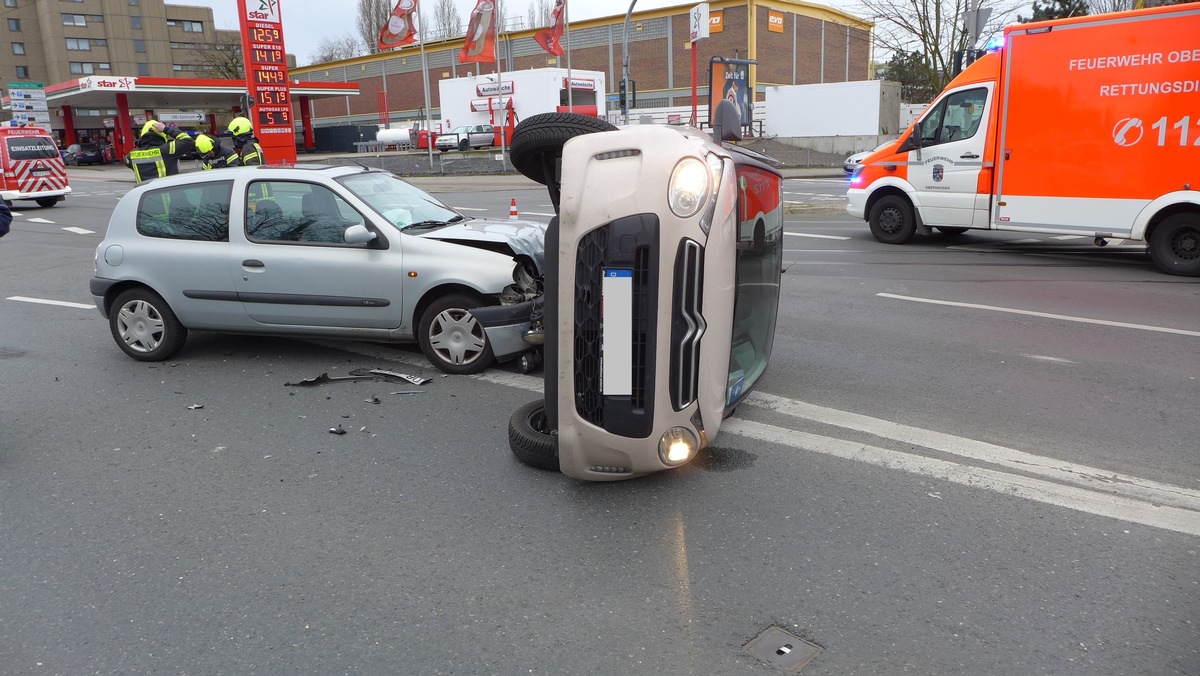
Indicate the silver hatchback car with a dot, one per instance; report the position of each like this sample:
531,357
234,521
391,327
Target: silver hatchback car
310,251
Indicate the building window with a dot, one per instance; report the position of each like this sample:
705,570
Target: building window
134,3
14,25
192,26
79,45
135,22
82,68
100,43
96,18
139,46
18,47
10,3
74,20
104,66
23,72
143,69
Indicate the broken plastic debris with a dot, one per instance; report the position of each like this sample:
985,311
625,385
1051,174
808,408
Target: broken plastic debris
337,430
193,407
322,379
372,400
408,392
403,376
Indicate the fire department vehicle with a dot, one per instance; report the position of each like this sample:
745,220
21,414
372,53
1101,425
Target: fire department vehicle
1087,126
31,167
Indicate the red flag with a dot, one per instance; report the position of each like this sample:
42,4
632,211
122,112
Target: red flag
399,30
551,38
480,43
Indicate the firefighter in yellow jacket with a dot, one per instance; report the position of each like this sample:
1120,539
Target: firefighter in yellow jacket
156,152
213,155
249,152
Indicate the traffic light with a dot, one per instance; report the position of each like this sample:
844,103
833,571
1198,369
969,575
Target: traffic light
622,95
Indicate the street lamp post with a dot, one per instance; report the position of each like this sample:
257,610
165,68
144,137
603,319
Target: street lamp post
625,65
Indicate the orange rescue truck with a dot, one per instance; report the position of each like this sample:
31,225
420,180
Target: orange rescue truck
1083,126
31,167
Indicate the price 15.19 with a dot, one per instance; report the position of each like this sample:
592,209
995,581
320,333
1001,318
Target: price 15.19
272,98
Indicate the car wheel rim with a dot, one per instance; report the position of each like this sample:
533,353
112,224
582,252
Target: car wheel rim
140,326
456,337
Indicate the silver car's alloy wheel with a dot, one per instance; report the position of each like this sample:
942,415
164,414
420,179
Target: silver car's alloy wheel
456,337
140,326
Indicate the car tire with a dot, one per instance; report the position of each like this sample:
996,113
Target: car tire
529,439
47,202
538,140
464,145
892,220
451,338
951,231
1174,245
144,326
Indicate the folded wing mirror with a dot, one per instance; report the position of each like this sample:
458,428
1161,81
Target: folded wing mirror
727,122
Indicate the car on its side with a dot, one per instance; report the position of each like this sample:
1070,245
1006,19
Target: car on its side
470,137
78,154
852,162
341,252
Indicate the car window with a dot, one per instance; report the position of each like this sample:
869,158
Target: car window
197,212
955,118
298,213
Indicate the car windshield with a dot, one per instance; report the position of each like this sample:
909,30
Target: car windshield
460,130
89,148
402,204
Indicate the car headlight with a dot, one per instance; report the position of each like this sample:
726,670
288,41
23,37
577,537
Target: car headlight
691,183
677,445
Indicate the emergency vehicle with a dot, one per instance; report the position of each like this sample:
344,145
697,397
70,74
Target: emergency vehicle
31,167
1087,126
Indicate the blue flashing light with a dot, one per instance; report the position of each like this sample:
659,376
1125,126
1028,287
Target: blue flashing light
995,44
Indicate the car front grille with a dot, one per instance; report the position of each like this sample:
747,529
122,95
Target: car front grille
687,326
631,242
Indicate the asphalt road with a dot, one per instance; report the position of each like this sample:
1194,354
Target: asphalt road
969,455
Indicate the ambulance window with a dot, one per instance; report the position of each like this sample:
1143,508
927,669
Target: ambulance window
31,148
955,118
197,212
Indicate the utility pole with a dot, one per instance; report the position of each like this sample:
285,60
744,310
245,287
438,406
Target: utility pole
625,65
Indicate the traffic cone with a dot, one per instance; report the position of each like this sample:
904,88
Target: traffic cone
512,210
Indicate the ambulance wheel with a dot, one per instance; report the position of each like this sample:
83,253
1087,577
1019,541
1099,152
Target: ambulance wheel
144,326
1175,245
952,231
529,439
47,201
538,140
892,220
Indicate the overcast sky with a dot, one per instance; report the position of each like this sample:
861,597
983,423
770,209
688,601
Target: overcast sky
306,22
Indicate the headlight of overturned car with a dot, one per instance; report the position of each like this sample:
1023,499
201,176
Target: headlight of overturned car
694,185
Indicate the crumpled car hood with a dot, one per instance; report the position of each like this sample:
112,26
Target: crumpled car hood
521,238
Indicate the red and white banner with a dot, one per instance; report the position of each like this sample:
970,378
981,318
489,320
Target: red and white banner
551,38
399,29
479,45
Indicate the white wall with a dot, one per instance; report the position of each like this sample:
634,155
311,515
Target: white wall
833,109
533,91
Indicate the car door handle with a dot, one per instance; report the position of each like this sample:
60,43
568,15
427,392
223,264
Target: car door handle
969,156
252,263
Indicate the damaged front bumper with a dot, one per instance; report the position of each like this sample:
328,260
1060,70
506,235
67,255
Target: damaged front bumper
512,329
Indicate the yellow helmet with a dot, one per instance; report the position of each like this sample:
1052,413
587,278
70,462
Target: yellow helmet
205,144
239,126
153,125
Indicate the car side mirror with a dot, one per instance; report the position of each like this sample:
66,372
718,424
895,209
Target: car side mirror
727,122
358,234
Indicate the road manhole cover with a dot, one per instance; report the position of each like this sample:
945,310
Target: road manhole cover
782,650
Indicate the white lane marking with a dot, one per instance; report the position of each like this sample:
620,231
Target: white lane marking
1064,237
1023,241
468,209
45,301
1042,357
533,213
80,231
1096,491
1079,499
40,220
813,236
1047,315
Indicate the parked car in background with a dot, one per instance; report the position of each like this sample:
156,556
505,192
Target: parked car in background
471,137
856,159
78,154
335,252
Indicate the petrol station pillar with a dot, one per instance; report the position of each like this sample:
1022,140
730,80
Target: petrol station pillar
68,126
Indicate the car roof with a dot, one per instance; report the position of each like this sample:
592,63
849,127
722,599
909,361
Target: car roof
295,172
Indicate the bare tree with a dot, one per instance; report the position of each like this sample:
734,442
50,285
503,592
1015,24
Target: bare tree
447,22
540,13
373,15
933,30
220,59
336,49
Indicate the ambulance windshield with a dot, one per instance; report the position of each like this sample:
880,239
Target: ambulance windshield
31,148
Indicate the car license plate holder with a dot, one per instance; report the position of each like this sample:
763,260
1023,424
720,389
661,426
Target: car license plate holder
40,172
616,335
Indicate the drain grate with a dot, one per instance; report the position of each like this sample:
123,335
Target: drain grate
782,650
